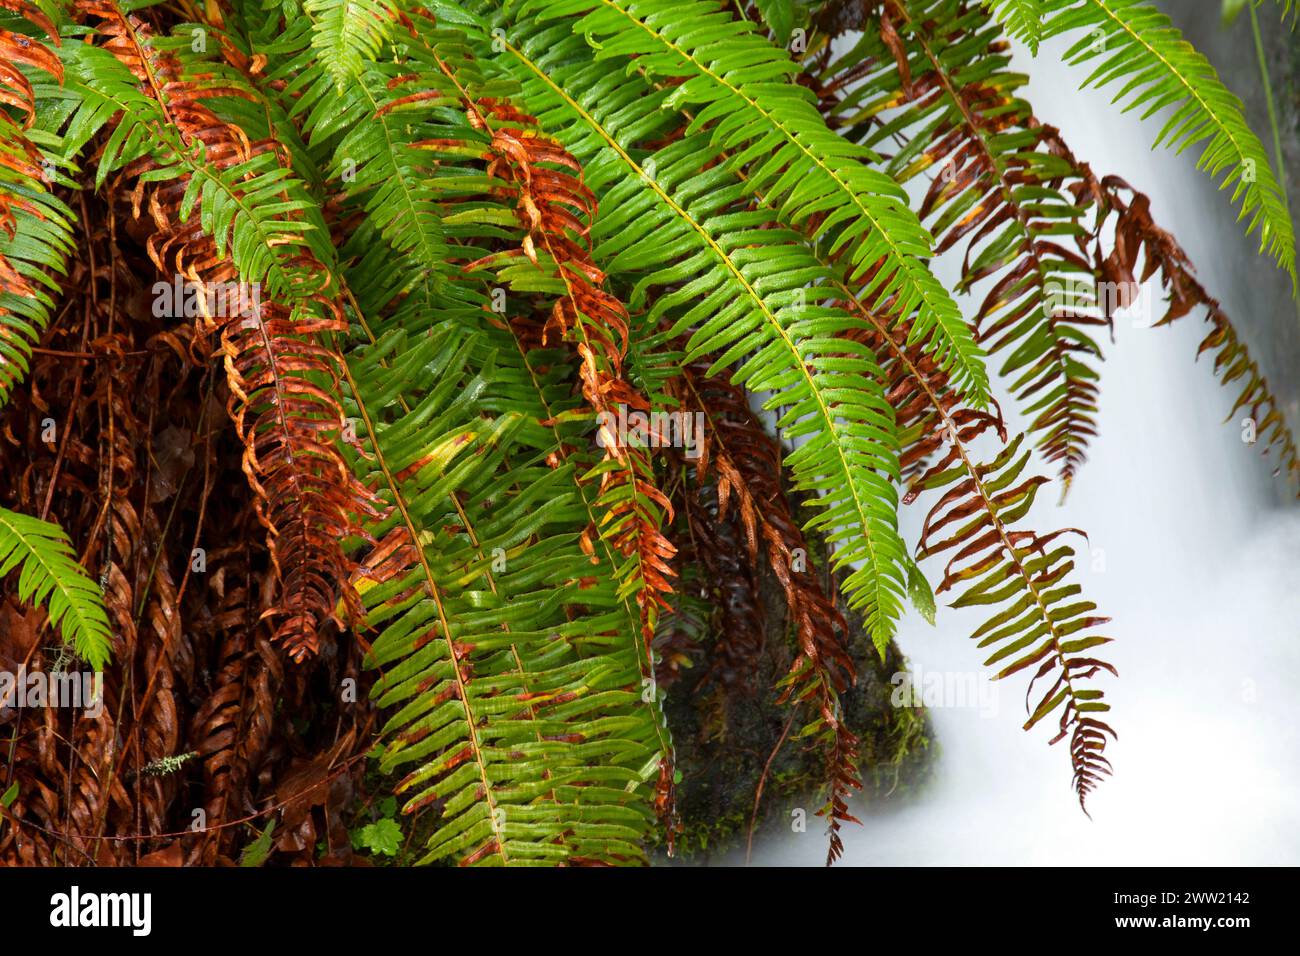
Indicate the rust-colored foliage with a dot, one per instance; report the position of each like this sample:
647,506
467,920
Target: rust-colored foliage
225,554
1000,195
974,524
745,462
189,717
281,367
1137,237
716,542
556,209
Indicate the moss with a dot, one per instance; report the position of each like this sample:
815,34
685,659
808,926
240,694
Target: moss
722,745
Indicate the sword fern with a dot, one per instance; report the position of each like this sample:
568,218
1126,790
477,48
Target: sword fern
486,232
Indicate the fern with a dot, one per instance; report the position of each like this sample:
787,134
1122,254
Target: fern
997,190
736,303
35,225
258,225
48,573
529,760
365,129
348,33
1023,19
980,507
1137,46
733,76
478,230
574,771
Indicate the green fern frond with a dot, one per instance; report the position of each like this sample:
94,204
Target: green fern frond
739,85
1138,48
365,131
255,210
1023,20
36,228
32,258
48,573
751,297
519,704
347,34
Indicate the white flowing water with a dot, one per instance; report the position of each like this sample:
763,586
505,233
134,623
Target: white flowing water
1192,557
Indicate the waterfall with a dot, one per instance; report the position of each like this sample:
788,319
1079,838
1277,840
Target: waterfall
1189,552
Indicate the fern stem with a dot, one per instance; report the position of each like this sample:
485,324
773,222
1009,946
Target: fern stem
1272,118
1272,108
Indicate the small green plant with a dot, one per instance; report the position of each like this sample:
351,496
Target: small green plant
257,852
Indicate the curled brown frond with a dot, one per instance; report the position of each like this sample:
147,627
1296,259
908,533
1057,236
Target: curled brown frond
928,87
281,366
1138,238
746,463
991,560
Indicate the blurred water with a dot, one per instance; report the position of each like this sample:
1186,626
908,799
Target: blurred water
1194,561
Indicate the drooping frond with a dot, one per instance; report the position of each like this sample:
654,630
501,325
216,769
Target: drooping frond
48,573
737,84
555,211
1136,47
974,523
1040,624
255,239
1137,238
996,191
746,463
519,703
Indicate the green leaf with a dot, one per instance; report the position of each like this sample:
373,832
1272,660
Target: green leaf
1022,20
1135,46
383,837
48,573
255,853
347,33
919,590
1230,10
779,15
